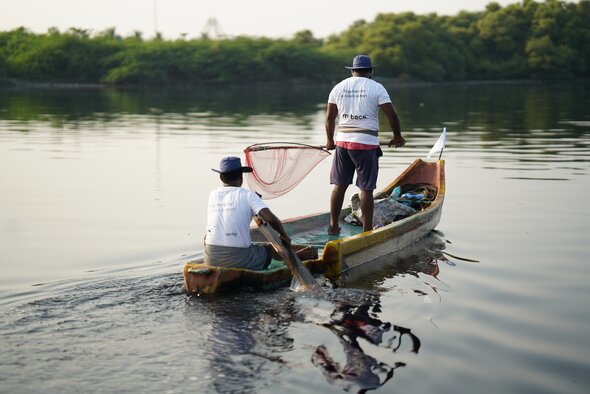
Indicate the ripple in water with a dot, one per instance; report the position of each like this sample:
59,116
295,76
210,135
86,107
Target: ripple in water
145,334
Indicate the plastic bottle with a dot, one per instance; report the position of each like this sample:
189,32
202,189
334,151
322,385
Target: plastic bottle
412,196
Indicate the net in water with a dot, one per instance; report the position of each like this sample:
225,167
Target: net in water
280,166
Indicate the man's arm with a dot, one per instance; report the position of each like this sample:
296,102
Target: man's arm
391,114
275,223
331,113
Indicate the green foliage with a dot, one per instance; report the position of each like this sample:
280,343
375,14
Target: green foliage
3,67
305,37
71,56
531,39
527,39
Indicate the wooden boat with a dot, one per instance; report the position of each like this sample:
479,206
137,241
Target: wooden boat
343,259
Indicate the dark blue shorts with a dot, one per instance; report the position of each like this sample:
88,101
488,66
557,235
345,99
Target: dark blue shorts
364,162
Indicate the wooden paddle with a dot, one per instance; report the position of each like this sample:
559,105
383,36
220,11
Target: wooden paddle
298,270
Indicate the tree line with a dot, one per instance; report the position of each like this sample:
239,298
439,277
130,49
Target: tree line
530,39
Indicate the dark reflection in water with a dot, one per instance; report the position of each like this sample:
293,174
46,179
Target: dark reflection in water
532,122
355,319
234,102
497,111
248,341
351,323
421,258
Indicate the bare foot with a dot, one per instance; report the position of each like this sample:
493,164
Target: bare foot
333,230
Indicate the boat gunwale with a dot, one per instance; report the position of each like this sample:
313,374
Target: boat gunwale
338,248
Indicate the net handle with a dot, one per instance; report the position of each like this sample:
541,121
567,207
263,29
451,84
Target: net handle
294,145
282,145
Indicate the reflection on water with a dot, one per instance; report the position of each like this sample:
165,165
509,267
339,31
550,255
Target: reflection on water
207,105
350,324
420,261
142,331
354,318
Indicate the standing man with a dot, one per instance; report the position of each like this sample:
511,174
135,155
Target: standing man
357,100
229,214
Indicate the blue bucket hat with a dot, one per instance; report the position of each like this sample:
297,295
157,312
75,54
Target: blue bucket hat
361,62
231,163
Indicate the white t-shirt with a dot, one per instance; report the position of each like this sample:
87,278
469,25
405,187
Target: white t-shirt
358,100
229,214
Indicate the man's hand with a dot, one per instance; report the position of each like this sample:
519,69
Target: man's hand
397,141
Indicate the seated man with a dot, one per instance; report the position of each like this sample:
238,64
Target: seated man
229,214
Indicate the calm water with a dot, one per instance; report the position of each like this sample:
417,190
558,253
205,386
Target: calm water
102,201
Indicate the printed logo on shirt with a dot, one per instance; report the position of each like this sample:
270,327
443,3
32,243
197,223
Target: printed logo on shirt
355,117
231,234
348,93
223,207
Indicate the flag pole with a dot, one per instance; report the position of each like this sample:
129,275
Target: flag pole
439,145
442,148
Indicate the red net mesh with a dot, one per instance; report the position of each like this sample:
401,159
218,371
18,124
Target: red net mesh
279,166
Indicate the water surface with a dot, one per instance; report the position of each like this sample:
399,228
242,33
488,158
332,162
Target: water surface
103,197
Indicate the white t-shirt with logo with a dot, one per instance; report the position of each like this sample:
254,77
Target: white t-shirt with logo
358,100
229,213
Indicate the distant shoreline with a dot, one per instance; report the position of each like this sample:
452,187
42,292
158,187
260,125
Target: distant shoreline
10,84
16,84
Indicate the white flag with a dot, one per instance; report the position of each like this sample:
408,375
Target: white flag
439,145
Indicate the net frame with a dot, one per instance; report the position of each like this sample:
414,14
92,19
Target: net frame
278,167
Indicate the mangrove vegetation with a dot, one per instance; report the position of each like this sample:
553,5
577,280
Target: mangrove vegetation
530,39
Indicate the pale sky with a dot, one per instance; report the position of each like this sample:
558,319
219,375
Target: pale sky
268,18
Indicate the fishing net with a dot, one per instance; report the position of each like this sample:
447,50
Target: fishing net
280,166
